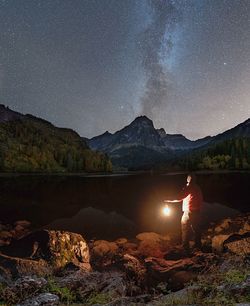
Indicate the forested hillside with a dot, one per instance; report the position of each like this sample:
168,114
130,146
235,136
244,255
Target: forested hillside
35,145
229,154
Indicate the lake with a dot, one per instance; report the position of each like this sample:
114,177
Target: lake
111,206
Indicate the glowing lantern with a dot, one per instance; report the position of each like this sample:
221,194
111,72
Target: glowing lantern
166,210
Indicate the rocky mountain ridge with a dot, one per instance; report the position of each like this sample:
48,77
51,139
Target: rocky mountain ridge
140,144
141,131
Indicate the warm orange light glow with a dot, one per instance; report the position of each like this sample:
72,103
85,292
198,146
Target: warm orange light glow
166,210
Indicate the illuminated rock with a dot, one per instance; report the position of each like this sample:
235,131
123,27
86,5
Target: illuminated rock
45,250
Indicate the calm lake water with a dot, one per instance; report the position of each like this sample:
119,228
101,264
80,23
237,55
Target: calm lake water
117,205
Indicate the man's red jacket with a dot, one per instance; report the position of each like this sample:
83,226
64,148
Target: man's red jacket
192,198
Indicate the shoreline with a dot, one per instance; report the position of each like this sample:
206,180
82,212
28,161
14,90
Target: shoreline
125,173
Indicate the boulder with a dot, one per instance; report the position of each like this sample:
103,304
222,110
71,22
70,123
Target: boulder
104,247
103,253
175,252
152,237
183,297
149,236
238,244
152,244
161,268
10,232
22,289
218,242
178,272
134,268
86,285
245,228
130,248
148,248
121,241
43,299
139,300
12,267
43,249
222,226
218,233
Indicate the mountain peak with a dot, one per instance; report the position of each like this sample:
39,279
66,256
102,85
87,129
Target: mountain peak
161,132
6,114
142,120
143,117
107,133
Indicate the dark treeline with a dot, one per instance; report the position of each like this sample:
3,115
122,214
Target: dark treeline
34,145
232,154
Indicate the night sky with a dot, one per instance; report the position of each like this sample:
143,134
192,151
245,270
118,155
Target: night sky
94,65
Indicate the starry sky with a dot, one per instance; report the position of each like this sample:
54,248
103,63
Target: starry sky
94,65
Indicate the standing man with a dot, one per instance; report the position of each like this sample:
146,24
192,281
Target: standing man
192,199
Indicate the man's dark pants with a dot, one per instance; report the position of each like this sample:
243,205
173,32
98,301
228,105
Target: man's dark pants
191,222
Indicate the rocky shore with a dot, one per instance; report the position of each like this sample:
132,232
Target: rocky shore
48,267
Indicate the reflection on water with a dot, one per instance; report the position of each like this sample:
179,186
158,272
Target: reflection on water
94,223
102,206
212,212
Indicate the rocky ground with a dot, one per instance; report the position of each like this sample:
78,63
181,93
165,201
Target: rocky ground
49,267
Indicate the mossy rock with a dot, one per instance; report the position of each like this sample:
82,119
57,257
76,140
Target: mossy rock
55,248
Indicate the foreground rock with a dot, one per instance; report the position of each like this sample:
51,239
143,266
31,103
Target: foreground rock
238,244
176,273
22,288
88,284
140,271
46,252
215,237
12,267
10,232
43,299
105,253
153,244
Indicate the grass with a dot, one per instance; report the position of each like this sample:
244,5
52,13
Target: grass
235,276
64,293
98,298
217,287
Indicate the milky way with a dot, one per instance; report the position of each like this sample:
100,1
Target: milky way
95,65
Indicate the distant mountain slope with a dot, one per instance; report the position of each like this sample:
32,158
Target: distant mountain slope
139,132
139,157
180,142
140,145
31,144
136,146
142,132
239,131
232,153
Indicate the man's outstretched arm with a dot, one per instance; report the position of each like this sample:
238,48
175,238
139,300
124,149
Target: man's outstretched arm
172,201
